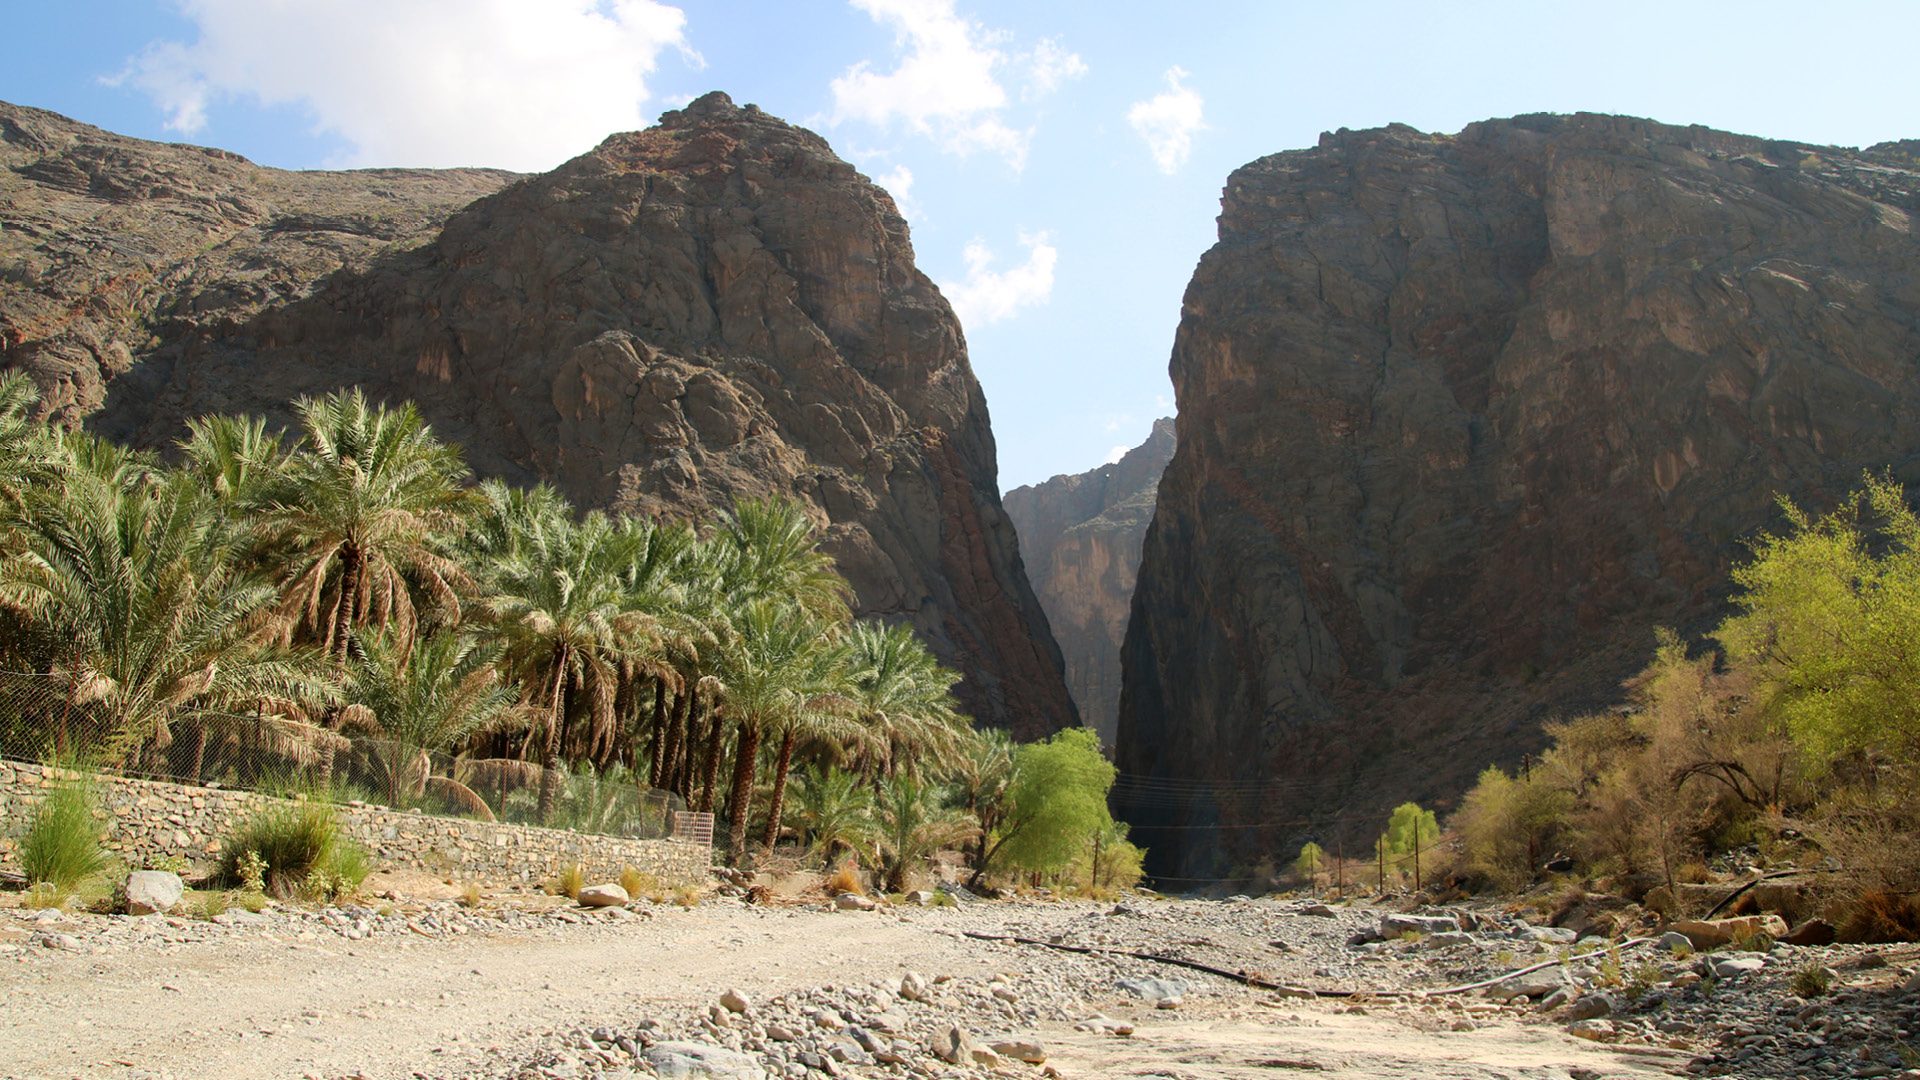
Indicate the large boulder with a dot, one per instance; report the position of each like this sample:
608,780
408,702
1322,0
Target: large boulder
1713,933
604,895
153,892
690,1060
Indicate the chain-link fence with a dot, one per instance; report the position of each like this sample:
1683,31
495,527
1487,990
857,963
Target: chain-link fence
54,719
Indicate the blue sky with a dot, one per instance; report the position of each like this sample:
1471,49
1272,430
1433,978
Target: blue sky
1060,163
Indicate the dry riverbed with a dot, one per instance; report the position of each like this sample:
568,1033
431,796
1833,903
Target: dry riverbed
525,987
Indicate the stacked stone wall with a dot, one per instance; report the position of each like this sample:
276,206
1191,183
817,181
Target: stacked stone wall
145,821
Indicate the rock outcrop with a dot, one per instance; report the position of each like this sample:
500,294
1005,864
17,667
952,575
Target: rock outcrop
1461,420
111,247
713,308
1080,538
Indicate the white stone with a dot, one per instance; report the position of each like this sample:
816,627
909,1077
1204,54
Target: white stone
847,901
608,894
152,892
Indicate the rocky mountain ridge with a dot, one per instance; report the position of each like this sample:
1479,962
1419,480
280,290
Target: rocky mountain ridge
713,308
1462,419
1080,537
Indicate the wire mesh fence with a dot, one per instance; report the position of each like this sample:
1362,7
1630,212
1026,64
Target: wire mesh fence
53,719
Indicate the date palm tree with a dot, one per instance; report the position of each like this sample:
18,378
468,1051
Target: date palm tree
127,587
560,604
367,508
912,821
435,697
30,453
905,698
780,663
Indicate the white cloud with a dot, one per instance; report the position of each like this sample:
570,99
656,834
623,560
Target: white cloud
947,84
898,182
1048,66
1114,455
1168,121
519,84
988,296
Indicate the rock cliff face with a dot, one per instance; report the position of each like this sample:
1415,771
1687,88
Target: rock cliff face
1080,537
1461,419
111,246
712,308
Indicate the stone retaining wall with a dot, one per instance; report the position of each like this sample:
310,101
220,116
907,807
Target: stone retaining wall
144,821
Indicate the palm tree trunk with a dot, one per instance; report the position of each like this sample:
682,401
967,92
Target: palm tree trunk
550,746
347,612
747,748
780,769
716,730
680,748
659,748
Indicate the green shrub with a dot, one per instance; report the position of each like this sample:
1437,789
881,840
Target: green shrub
282,847
1811,981
62,847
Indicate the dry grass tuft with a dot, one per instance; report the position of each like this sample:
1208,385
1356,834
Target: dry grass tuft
568,882
845,879
1879,915
639,883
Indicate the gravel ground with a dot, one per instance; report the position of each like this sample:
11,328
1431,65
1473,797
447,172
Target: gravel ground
524,987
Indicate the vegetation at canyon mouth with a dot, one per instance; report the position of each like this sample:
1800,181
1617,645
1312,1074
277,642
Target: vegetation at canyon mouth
350,589
1790,739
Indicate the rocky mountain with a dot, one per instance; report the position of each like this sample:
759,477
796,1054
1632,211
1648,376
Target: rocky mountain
1080,538
1462,418
713,308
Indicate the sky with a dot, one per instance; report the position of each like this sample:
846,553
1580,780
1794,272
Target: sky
1060,164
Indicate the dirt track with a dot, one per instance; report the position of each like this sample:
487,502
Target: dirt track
261,1003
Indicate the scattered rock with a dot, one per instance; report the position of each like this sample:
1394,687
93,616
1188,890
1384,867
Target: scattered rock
605,895
1713,933
1811,932
1591,1007
1393,925
153,892
913,987
1597,1030
1673,942
1026,1050
953,1045
848,901
733,1001
687,1060
1160,993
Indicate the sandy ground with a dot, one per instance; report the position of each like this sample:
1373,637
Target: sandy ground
265,1004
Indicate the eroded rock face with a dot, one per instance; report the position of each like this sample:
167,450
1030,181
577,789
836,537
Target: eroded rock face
1461,420
1080,538
110,246
713,308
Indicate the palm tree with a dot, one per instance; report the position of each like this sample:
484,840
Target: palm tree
127,587
370,499
772,552
905,698
913,822
30,453
779,664
835,811
560,604
429,701
984,777
236,458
